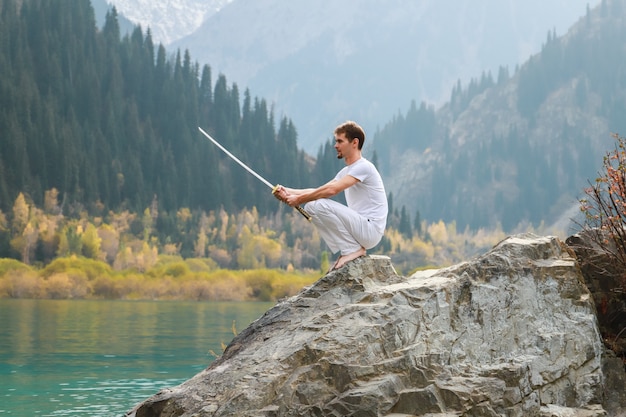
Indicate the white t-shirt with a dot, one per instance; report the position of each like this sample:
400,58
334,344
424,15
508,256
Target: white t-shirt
367,197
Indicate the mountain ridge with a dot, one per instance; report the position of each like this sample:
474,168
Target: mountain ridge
363,60
171,20
519,150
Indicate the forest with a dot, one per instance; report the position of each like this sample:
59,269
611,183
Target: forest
242,256
106,182
111,123
107,189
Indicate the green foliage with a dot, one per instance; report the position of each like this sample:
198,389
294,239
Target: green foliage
79,114
152,210
173,269
12,265
21,283
81,278
271,285
140,273
90,242
201,264
257,251
325,262
90,267
128,266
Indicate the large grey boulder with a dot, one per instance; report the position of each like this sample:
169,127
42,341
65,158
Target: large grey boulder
510,333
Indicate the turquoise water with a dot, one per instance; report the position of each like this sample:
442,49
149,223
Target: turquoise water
100,358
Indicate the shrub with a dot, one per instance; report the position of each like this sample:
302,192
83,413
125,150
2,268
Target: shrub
106,287
260,283
175,270
7,264
235,289
601,247
271,284
286,285
201,264
198,290
605,205
89,267
21,283
59,286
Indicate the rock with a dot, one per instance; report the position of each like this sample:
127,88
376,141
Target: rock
510,333
606,281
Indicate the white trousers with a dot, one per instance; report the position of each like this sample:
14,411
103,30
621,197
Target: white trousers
342,228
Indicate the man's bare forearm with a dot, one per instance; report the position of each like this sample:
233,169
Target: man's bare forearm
311,194
299,191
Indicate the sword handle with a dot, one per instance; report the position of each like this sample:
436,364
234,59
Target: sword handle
300,209
303,212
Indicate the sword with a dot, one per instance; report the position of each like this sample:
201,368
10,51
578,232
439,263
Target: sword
251,171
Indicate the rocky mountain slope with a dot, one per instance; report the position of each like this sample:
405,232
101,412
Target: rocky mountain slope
519,148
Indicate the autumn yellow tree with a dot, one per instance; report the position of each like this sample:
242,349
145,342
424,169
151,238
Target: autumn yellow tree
51,202
109,242
201,243
4,224
21,211
257,250
24,231
91,242
48,225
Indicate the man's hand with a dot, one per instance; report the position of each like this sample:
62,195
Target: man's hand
290,197
280,193
292,200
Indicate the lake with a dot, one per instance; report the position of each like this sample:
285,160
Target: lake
100,358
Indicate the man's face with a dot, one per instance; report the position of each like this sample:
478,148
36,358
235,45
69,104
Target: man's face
342,145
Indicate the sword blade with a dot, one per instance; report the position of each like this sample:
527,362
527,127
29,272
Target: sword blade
251,171
234,158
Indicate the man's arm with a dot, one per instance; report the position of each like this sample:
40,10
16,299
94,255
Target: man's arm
297,191
296,197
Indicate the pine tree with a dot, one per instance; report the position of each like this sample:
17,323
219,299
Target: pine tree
405,223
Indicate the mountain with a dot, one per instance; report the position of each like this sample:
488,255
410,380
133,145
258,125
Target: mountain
169,20
521,148
323,62
110,122
477,148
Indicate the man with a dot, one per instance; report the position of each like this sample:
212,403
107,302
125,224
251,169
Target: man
360,225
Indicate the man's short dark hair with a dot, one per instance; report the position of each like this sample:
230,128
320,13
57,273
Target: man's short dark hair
352,131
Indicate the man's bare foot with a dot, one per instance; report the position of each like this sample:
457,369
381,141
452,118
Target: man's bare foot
344,259
334,266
